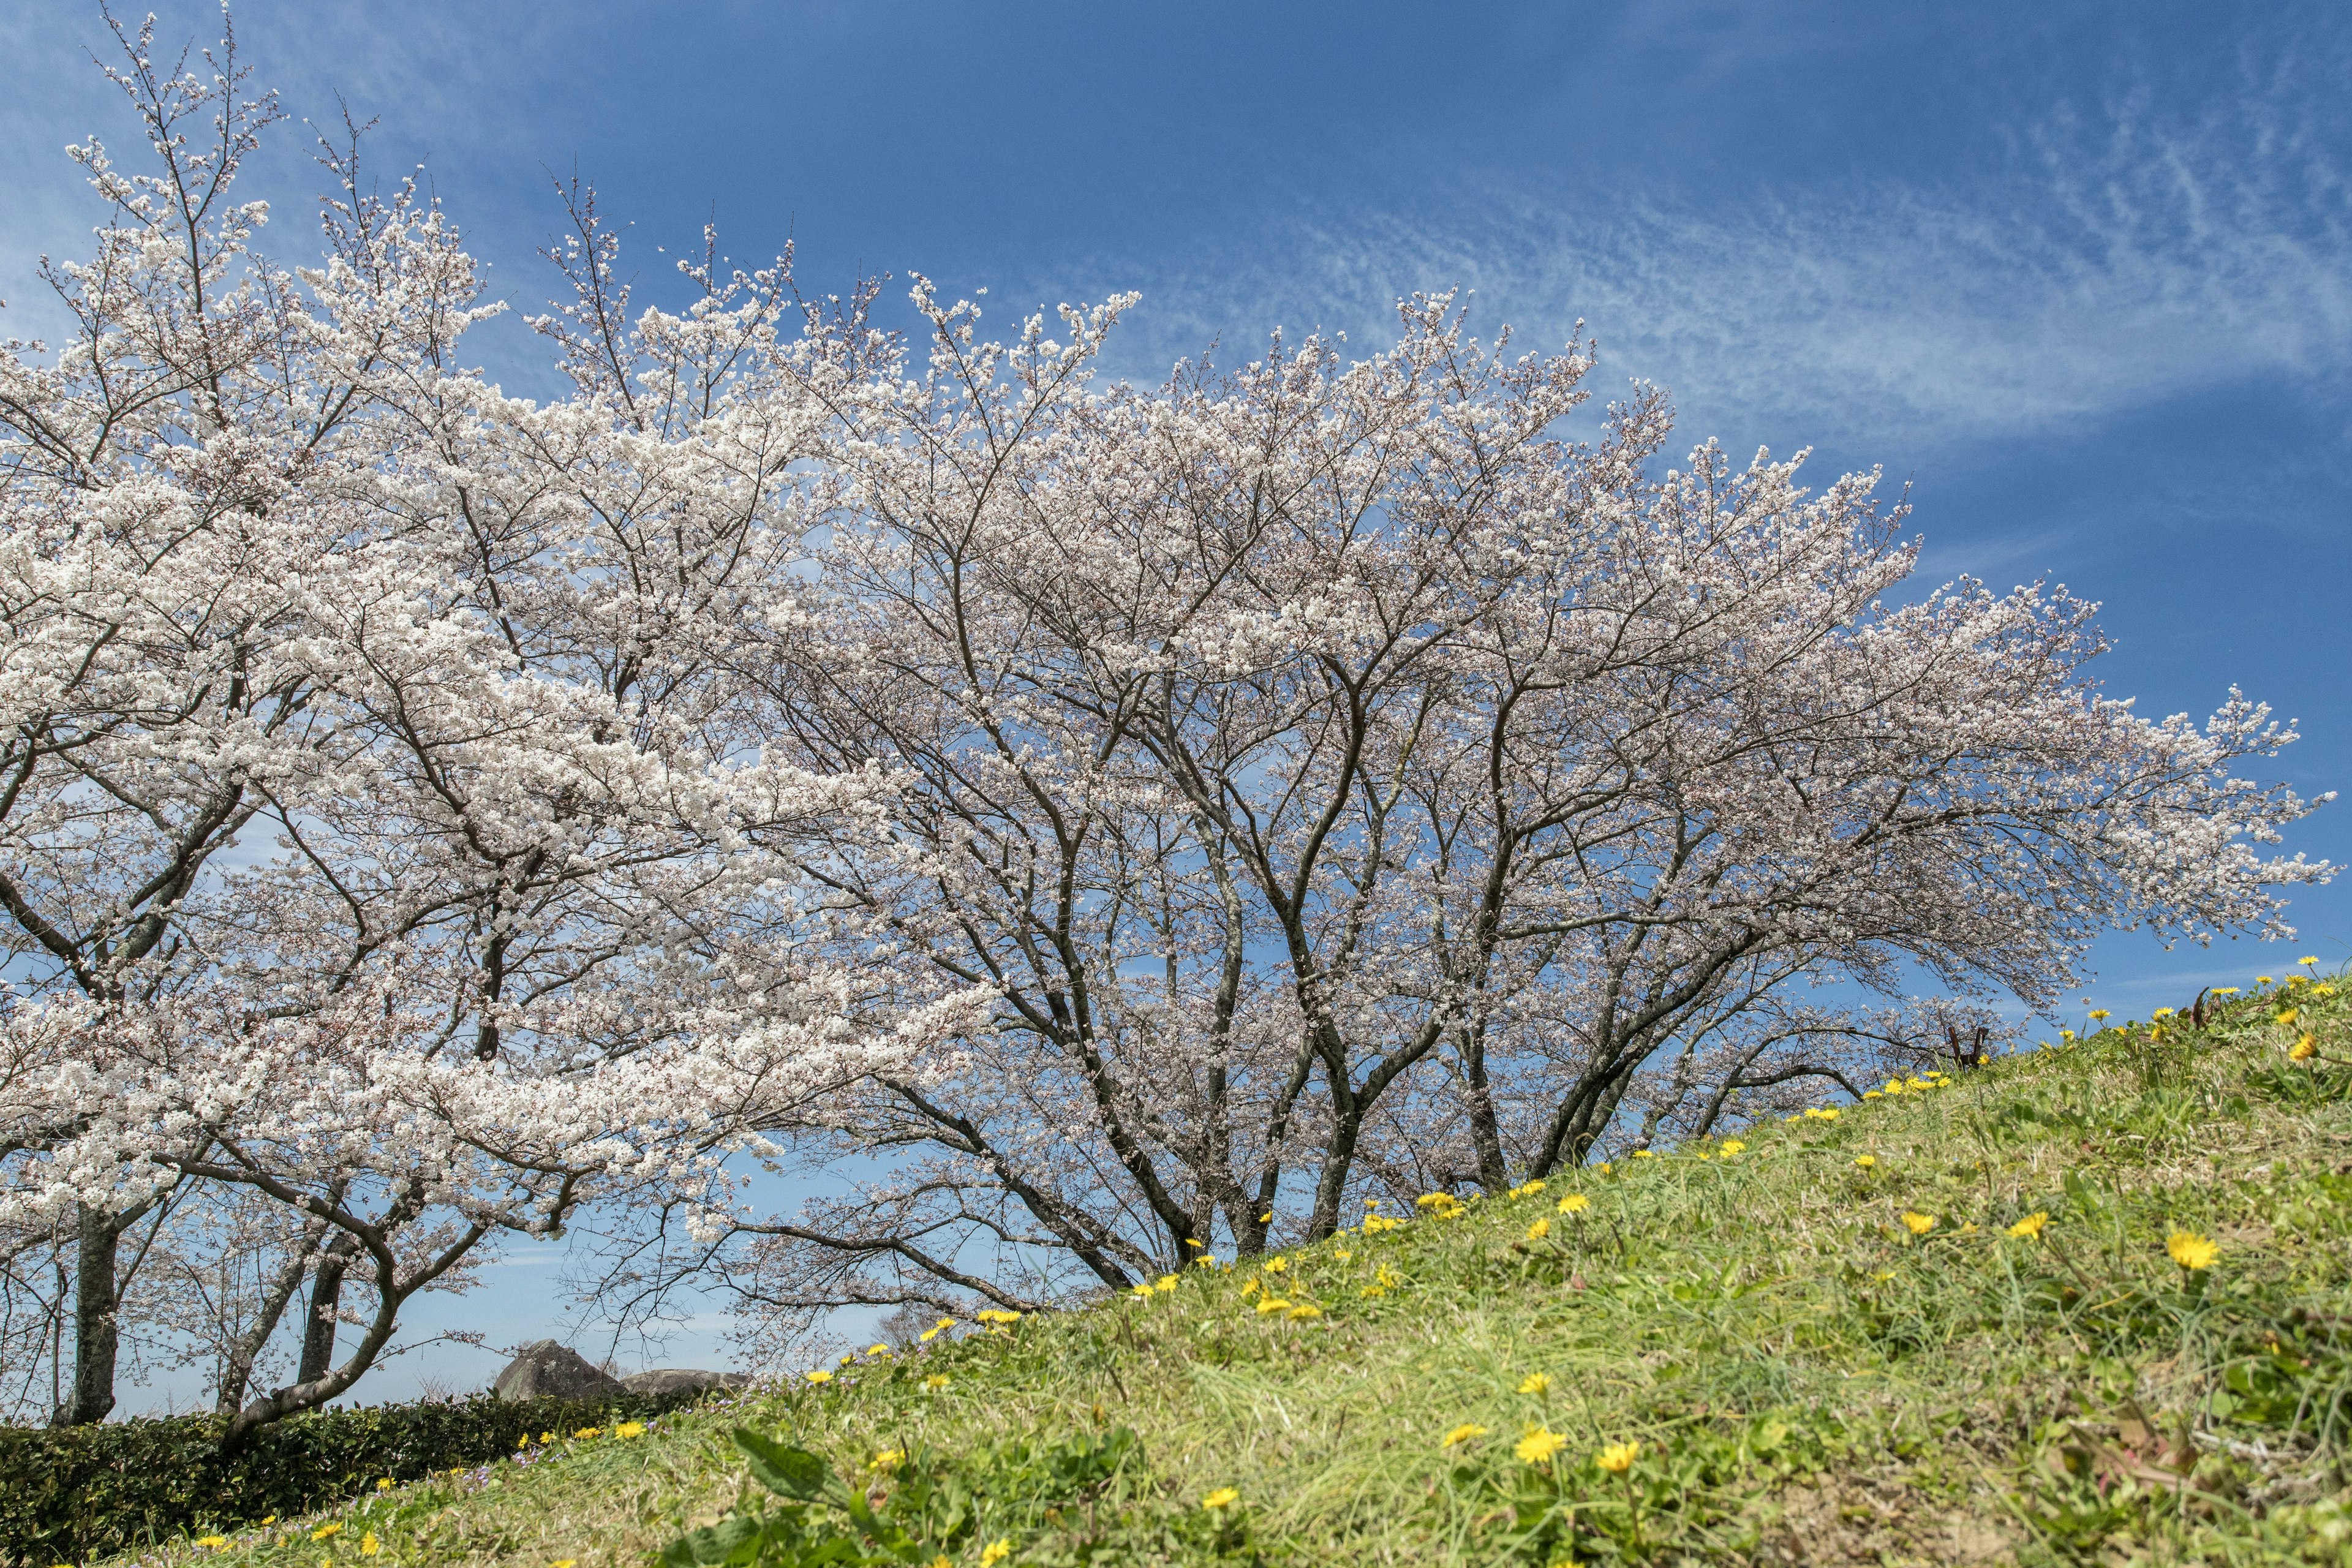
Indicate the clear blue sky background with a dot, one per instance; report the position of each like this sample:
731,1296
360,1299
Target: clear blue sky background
2082,273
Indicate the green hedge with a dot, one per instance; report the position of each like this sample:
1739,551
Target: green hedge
72,1494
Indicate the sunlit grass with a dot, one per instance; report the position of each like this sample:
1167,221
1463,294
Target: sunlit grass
2079,1305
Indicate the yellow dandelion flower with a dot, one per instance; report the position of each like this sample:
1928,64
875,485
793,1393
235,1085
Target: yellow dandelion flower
1277,1264
1342,1255
2100,1015
1919,1224
1536,1383
1865,1161
211,1543
1460,1435
1539,1445
2304,1049
2307,960
565,1563
1894,1085
1643,1154
2225,991
630,1429
820,1375
1303,1312
384,1483
2190,1250
1223,1497
368,1545
1731,1146
2323,989
1204,1261
936,1381
2161,1013
2287,1016
1618,1457
1872,1094
1273,1304
995,1551
547,1436
324,1530
2262,980
587,1432
1538,1230
1253,1287
1167,1282
1388,1276
1373,1292
1574,1203
2030,1228
888,1459
1140,1292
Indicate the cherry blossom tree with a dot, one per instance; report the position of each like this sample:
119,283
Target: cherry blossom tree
374,784
1324,755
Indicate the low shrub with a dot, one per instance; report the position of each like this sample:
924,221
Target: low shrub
72,1494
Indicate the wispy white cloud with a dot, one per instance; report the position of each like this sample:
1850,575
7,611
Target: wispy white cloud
2108,263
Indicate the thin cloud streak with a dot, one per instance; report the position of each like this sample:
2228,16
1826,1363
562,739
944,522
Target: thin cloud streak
2092,279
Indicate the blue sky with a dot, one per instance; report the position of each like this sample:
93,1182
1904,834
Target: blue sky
2083,274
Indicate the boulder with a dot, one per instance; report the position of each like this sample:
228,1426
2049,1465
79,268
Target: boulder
671,1379
545,1370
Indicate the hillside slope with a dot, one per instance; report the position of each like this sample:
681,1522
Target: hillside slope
1843,1338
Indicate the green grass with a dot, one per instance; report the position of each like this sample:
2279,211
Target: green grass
1808,1380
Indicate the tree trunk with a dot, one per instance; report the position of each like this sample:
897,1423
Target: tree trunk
97,1329
326,1300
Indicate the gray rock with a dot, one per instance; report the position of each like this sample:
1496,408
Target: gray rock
670,1379
545,1370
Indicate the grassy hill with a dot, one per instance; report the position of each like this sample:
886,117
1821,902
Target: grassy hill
1845,1337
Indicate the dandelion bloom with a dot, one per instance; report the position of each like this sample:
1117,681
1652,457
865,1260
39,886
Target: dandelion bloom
1872,1094
1536,1383
1895,1086
2161,1013
2323,990
1303,1311
1866,1160
1538,1230
2192,1250
1342,1255
325,1530
1276,1264
820,1375
2102,1015
2262,980
995,1551
1642,1155
1204,1261
1823,1112
2307,960
1460,1435
1140,1292
630,1429
1388,1277
1223,1497
1273,1304
936,1381
1253,1287
1732,1146
888,1459
2287,1016
587,1432
1618,1457
1575,1203
2030,1228
547,1436
368,1545
2225,991
2304,1049
214,1543
1919,1224
384,1483
1540,1445
1166,1283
